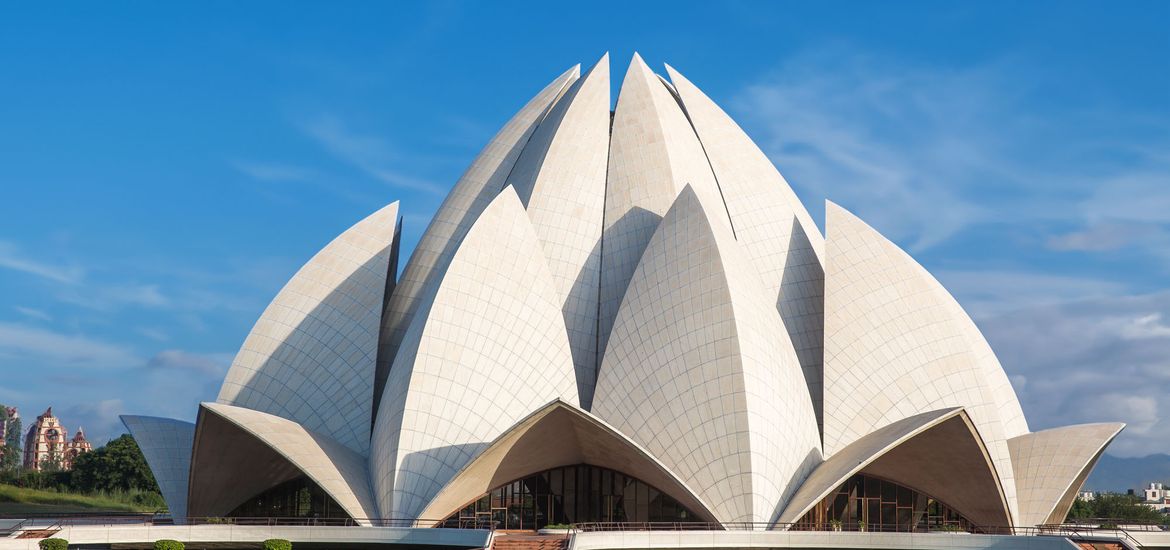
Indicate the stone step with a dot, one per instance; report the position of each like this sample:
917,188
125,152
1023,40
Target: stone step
37,533
529,542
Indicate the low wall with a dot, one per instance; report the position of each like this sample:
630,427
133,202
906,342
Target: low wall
139,533
629,540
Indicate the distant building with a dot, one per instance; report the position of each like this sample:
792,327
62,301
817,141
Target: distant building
8,423
46,444
9,431
1156,491
1086,496
1158,497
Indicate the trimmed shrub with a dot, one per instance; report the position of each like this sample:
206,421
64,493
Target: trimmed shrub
54,544
277,544
168,544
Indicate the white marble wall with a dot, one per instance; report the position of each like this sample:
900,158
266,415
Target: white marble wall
464,204
771,226
340,471
560,178
694,371
896,344
491,349
653,154
1051,465
310,357
166,444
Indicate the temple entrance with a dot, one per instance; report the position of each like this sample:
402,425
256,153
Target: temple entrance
867,503
571,494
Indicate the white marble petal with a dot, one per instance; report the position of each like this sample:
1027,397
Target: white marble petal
482,181
491,348
166,445
771,225
311,356
338,470
560,178
1052,465
697,371
653,154
897,344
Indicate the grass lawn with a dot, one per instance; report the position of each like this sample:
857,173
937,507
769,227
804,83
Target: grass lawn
19,500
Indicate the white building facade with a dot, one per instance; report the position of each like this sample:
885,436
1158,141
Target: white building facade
620,316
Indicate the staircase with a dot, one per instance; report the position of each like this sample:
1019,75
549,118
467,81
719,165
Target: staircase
37,533
505,540
1101,546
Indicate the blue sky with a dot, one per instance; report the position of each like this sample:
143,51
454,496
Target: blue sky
165,167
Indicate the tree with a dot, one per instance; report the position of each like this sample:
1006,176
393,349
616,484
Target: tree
277,544
53,544
116,466
1114,506
10,458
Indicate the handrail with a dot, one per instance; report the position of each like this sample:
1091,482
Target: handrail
80,519
1072,531
14,528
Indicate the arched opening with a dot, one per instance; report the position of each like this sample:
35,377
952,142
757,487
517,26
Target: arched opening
296,498
558,436
868,503
570,494
242,457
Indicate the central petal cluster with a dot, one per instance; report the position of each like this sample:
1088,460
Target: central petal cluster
636,291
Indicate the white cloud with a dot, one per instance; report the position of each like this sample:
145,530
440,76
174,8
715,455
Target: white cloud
153,333
1097,360
100,419
12,258
1107,236
1139,196
111,297
173,359
925,152
33,313
1146,326
274,172
369,154
901,146
63,350
988,292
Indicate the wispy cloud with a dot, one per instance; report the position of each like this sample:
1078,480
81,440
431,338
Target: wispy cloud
33,313
987,292
173,359
370,154
926,152
65,350
1091,360
153,333
274,172
112,297
12,258
901,146
100,419
1128,212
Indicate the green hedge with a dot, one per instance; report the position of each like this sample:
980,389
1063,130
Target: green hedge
277,544
54,544
168,544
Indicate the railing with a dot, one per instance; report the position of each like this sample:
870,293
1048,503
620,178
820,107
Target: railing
83,519
12,528
756,526
1098,528
338,522
1105,530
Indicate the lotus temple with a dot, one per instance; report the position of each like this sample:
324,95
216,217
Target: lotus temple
625,317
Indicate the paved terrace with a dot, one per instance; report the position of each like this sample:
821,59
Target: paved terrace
139,534
131,533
